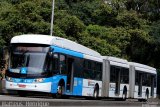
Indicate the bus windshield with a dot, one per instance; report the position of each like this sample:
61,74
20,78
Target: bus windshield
31,58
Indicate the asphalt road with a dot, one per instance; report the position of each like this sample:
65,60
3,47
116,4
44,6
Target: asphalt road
45,101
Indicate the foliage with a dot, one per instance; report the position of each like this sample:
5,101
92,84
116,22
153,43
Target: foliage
71,25
149,8
99,44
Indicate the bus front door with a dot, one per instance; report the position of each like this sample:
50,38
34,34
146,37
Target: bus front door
70,77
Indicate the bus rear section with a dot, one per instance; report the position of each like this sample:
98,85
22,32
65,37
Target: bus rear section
142,81
115,81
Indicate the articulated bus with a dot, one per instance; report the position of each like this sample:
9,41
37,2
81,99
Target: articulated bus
60,67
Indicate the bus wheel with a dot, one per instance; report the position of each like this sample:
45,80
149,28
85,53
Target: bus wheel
96,93
60,91
147,94
124,95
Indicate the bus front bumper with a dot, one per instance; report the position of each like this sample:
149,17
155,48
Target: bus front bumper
39,87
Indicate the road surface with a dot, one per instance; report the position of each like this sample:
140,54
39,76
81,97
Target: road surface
45,101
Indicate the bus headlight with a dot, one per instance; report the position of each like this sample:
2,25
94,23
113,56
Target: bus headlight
39,80
9,79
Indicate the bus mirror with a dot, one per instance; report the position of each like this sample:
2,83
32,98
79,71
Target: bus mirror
51,49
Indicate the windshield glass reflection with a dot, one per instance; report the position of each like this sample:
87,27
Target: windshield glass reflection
32,58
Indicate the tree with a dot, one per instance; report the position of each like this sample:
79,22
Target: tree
139,49
70,25
84,9
149,8
116,37
155,33
105,15
131,20
99,45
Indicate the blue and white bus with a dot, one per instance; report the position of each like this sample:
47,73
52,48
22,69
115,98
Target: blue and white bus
53,65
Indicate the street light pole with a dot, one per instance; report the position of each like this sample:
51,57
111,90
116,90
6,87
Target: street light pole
52,18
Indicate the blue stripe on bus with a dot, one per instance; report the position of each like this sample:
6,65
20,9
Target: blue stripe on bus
66,51
19,80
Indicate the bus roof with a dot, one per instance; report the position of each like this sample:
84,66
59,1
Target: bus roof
53,40
144,68
117,61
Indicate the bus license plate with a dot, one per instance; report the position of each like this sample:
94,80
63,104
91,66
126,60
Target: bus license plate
21,85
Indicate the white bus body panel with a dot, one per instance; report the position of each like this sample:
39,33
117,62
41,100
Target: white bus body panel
42,87
143,68
155,93
88,87
56,41
144,92
112,90
92,58
118,62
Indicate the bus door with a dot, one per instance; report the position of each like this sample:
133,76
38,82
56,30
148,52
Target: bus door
70,78
117,81
140,85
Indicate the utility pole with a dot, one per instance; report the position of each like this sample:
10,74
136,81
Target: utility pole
52,18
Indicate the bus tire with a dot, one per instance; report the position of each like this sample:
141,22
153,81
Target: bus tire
124,95
147,94
96,92
60,89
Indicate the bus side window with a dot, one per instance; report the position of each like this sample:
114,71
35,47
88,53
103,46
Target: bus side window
63,64
124,75
98,73
87,69
78,67
112,74
55,63
155,81
136,77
